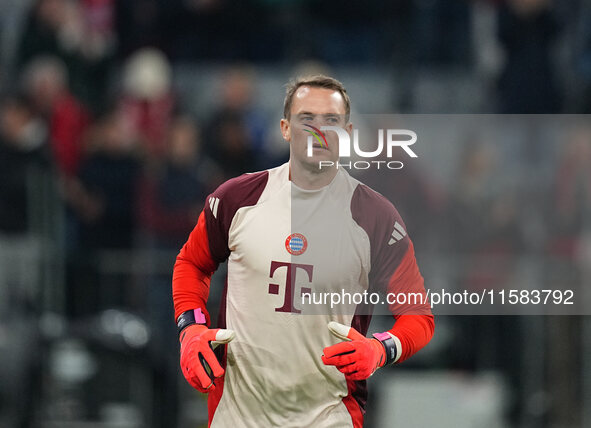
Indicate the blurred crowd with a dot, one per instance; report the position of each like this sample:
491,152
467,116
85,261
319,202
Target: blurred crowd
88,101
88,90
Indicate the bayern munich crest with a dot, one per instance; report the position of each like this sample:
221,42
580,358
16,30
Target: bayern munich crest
296,244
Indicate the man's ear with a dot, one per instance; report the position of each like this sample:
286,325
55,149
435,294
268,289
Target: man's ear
285,129
349,127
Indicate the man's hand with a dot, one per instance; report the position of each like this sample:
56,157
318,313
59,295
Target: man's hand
358,357
198,362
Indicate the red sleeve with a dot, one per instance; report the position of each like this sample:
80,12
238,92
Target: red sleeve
414,332
192,272
414,324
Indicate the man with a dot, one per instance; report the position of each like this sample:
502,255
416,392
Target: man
286,232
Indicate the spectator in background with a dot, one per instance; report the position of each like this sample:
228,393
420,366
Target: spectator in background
46,31
108,179
45,81
79,33
148,103
23,151
527,85
230,145
173,195
236,130
23,162
103,198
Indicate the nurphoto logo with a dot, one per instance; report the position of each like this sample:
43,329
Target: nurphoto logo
388,139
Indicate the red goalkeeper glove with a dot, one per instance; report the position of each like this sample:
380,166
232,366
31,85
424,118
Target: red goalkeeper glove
358,357
198,362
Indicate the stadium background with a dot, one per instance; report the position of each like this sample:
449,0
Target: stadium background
117,118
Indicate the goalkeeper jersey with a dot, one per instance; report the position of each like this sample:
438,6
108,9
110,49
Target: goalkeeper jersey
283,243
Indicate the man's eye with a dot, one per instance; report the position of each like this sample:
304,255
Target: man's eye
307,118
332,120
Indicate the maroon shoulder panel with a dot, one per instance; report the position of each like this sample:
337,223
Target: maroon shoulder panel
222,204
387,233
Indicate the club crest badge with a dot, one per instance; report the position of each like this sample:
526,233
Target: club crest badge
296,244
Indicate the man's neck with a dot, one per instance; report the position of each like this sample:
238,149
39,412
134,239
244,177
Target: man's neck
309,179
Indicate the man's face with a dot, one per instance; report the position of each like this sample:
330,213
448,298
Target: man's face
312,108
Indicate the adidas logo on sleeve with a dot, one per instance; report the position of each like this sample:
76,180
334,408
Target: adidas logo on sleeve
397,234
213,206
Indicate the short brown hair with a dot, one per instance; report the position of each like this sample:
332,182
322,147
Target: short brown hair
316,81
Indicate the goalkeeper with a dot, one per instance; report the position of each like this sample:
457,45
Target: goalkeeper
286,231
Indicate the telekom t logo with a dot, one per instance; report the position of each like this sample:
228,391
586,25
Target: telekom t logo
292,268
345,141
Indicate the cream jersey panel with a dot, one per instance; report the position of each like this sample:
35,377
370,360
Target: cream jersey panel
274,374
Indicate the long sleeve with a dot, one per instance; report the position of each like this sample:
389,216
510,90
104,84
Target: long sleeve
415,325
192,272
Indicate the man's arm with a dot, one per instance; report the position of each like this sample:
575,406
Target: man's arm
190,290
206,247
414,324
192,272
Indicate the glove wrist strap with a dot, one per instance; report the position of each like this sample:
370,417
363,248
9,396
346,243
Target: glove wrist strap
188,318
389,346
